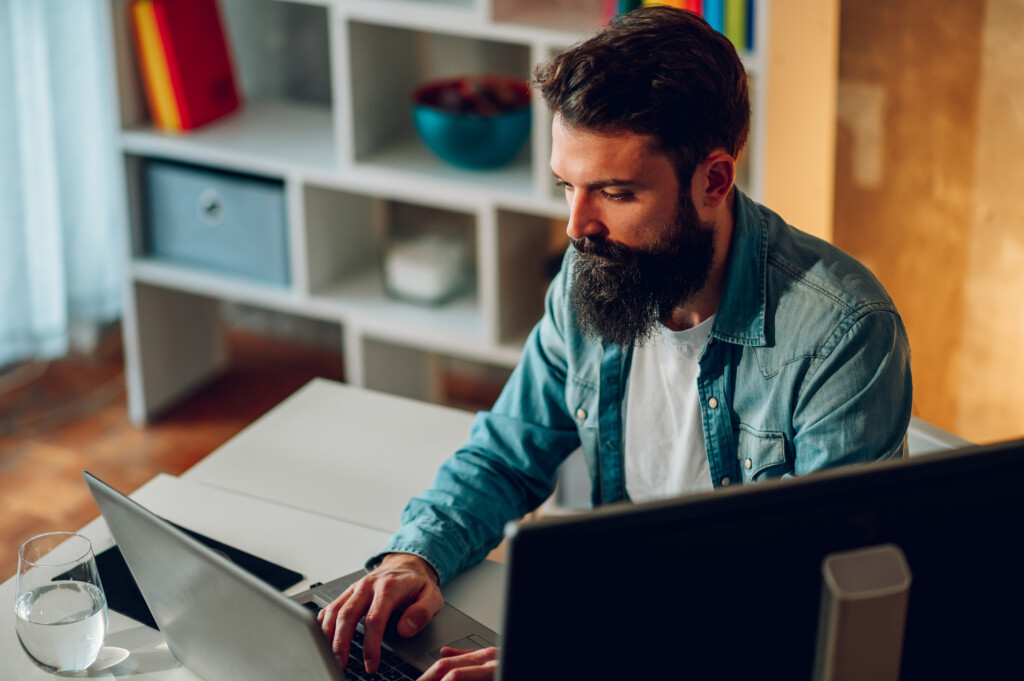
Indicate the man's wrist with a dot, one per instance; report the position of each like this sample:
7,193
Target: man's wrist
410,560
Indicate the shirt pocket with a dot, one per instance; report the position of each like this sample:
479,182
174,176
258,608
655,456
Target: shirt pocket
762,454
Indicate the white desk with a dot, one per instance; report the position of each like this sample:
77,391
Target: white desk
339,451
299,488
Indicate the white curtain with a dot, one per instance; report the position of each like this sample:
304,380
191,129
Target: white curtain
61,219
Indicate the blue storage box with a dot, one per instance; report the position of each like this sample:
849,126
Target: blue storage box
226,222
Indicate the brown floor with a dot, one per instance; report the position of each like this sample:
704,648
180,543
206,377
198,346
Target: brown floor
73,416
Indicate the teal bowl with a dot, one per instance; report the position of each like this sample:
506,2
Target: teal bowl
474,123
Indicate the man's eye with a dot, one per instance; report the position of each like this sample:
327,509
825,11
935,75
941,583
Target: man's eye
617,196
562,184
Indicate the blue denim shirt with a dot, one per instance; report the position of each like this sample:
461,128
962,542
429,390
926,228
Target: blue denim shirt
807,367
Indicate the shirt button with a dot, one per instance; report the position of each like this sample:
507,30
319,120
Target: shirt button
713,403
748,463
581,414
725,481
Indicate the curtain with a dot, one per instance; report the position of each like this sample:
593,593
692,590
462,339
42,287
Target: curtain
62,226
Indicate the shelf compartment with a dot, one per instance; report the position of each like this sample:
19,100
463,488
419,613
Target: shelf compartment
179,341
388,64
172,208
432,376
282,64
578,16
281,50
347,234
529,252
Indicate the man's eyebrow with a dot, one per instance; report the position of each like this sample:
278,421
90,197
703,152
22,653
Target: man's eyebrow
599,184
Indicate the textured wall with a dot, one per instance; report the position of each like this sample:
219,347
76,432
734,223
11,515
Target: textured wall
930,194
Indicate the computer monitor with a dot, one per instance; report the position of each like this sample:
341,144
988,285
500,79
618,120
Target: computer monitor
728,584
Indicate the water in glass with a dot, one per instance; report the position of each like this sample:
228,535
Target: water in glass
60,609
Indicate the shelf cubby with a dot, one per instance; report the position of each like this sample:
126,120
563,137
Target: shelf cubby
347,234
282,64
432,376
577,16
529,248
389,64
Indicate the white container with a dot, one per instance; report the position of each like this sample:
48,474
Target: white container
429,269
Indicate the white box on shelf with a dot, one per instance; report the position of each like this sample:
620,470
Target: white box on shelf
427,269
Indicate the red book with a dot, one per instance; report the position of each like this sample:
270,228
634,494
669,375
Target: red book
198,61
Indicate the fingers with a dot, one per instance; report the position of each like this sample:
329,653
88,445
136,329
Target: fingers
400,581
392,591
339,619
419,614
463,665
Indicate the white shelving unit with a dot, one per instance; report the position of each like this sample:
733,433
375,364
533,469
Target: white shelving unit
326,87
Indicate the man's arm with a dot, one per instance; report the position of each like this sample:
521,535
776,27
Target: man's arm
855,403
509,464
506,469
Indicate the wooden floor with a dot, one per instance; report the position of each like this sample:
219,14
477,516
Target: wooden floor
71,415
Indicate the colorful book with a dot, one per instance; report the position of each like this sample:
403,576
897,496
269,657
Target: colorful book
679,4
184,61
156,78
750,24
614,7
735,19
714,14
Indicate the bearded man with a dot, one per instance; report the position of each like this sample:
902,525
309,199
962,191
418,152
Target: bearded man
692,339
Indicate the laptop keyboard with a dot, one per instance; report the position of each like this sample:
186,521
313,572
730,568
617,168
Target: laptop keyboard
391,668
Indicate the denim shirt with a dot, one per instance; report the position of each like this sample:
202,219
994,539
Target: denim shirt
807,367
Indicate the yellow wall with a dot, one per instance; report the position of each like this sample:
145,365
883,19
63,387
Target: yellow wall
929,193
800,112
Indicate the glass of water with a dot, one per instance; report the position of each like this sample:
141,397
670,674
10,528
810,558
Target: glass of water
60,609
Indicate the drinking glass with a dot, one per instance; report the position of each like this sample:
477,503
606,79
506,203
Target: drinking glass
60,609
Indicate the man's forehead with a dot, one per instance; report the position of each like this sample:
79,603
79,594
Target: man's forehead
610,155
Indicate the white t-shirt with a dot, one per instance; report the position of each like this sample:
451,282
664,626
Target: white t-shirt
665,453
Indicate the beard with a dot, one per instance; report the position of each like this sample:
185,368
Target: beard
621,294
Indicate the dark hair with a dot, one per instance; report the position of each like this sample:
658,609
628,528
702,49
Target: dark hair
656,71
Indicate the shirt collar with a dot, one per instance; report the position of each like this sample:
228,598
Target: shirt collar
741,312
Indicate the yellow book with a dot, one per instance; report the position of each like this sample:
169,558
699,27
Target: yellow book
156,76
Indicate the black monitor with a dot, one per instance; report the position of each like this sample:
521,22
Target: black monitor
728,584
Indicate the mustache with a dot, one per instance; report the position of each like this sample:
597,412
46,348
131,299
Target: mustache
603,249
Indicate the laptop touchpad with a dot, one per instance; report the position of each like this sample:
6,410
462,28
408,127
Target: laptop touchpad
472,642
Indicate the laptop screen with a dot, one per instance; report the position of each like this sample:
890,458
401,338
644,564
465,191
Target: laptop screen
220,621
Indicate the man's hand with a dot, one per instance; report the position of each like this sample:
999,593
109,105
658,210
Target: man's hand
401,580
463,665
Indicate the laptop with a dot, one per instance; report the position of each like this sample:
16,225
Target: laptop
224,624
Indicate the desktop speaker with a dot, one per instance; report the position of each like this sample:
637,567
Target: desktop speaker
863,614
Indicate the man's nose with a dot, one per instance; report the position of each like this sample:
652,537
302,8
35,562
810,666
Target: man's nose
584,220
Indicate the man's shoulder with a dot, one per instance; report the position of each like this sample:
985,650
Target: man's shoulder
805,268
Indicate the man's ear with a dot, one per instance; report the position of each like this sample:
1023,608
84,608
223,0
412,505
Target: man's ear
718,171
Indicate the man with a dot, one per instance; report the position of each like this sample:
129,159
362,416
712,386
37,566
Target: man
692,340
